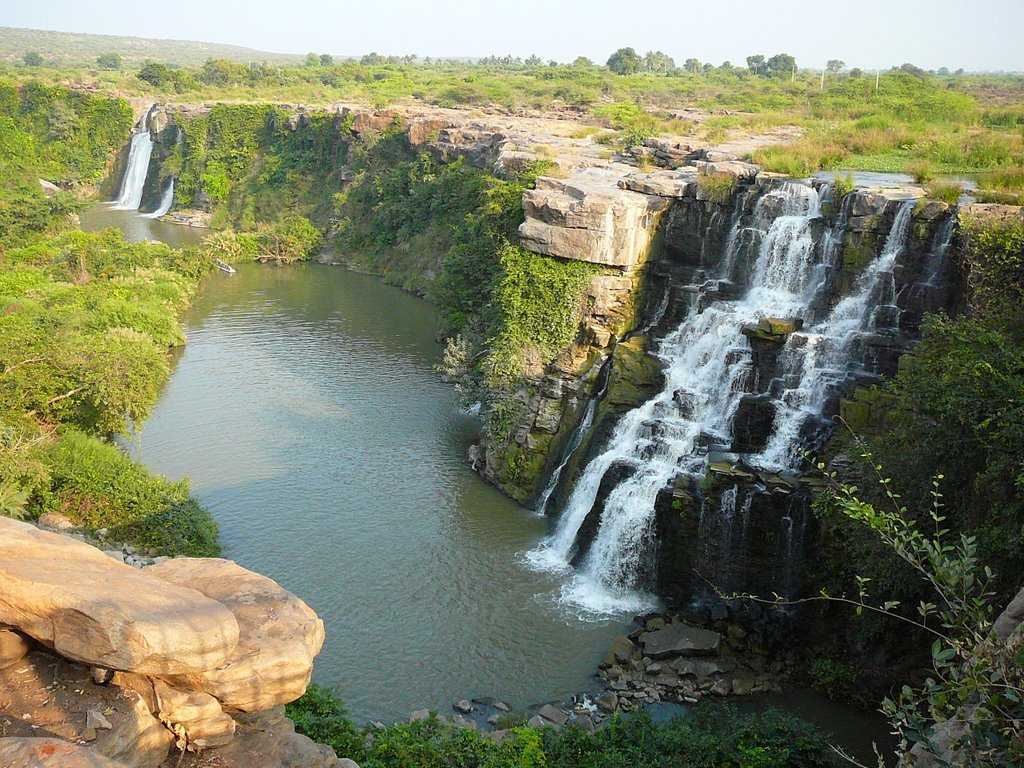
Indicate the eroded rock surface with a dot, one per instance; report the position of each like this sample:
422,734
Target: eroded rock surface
50,753
279,635
76,600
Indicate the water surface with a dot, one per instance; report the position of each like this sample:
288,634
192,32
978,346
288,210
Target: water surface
306,412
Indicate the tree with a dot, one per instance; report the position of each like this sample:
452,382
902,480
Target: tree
624,61
656,61
781,65
835,66
326,60
312,59
756,64
856,72
155,73
943,72
582,61
534,61
726,66
692,65
109,61
913,69
32,59
371,58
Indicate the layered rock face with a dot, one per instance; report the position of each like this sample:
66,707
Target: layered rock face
851,278
179,652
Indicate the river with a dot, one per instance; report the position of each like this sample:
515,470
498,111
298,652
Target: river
307,414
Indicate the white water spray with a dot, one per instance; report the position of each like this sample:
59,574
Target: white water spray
166,201
134,180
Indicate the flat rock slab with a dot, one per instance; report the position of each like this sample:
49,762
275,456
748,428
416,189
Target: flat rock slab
90,608
279,635
21,752
680,640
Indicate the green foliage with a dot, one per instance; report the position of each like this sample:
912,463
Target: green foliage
624,61
709,738
109,61
56,134
536,304
946,191
636,124
995,267
835,678
717,187
97,486
86,320
975,677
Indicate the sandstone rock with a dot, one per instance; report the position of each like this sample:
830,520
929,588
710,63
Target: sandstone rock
589,218
680,640
538,722
608,702
279,635
463,705
419,714
56,522
58,590
553,714
269,740
13,647
48,187
96,719
136,739
673,184
195,717
50,753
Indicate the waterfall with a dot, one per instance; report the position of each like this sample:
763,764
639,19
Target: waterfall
166,201
134,179
824,356
576,438
707,365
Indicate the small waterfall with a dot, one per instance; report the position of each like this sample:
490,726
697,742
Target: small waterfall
707,365
824,356
166,201
134,179
576,438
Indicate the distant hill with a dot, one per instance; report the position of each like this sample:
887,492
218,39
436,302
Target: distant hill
78,48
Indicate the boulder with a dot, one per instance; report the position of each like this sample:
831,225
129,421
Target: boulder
27,752
553,714
136,739
56,522
89,608
13,647
269,740
680,640
589,218
195,717
279,635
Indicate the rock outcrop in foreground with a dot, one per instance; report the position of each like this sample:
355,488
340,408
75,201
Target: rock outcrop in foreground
103,664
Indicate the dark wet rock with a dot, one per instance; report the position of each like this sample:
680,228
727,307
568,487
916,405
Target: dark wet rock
680,639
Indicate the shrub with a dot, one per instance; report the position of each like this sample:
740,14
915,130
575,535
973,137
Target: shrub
97,486
717,187
946,191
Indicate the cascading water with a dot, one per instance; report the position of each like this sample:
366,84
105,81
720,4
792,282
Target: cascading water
166,201
707,364
824,357
134,180
575,439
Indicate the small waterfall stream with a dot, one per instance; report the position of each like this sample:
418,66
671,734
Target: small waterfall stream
166,201
708,370
134,179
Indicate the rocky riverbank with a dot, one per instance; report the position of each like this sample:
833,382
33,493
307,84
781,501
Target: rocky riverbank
105,664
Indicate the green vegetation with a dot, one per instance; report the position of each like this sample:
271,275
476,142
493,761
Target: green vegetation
62,136
709,738
86,323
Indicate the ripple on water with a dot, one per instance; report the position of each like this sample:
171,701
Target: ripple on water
306,411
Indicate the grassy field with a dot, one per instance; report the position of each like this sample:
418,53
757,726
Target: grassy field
923,124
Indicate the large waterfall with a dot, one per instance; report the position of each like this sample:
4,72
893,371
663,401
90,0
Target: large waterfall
708,368
134,179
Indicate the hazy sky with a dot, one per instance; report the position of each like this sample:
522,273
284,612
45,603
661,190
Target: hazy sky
974,34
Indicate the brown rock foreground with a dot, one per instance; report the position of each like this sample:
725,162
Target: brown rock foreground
280,634
200,653
86,606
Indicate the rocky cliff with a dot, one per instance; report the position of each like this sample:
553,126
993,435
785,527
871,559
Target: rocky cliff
104,664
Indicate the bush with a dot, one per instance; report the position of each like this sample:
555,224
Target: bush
97,486
717,187
708,738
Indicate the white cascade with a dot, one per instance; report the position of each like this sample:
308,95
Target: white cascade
823,357
134,180
575,439
166,201
707,367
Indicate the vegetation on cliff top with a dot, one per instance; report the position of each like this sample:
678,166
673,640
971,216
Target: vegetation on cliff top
708,738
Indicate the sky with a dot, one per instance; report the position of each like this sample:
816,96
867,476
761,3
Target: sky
978,35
